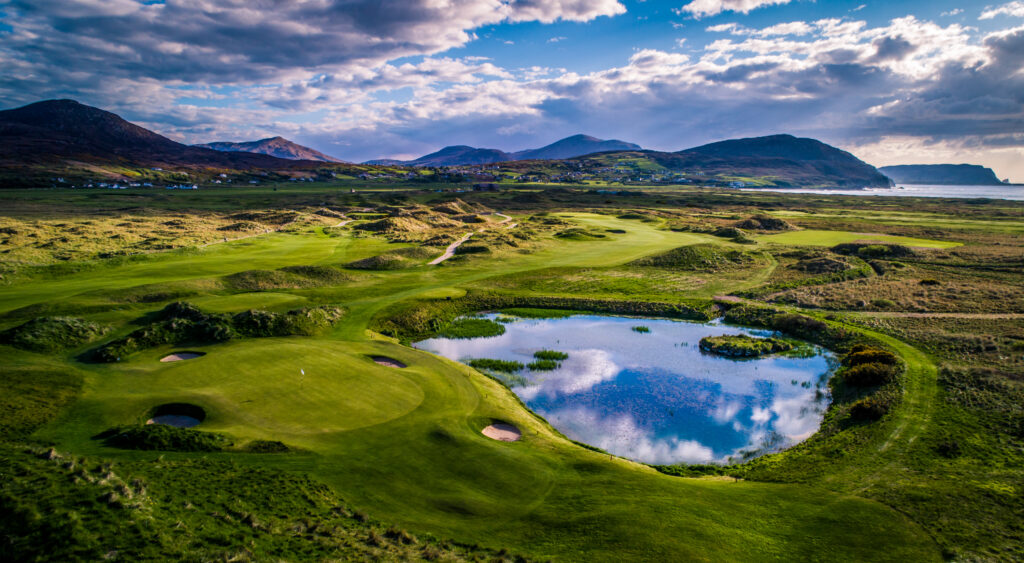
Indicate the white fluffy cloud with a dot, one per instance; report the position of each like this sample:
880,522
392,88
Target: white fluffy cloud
1015,9
705,8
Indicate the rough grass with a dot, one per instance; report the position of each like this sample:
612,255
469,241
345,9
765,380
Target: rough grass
52,334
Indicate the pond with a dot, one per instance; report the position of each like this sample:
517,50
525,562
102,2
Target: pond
654,396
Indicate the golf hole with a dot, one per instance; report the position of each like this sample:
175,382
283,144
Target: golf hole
179,415
179,356
389,362
503,432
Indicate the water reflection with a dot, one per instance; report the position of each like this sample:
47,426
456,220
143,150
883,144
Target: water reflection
656,397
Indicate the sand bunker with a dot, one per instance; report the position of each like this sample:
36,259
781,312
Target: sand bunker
178,356
502,431
389,362
180,415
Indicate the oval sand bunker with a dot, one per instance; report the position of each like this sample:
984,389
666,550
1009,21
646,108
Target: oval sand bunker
179,356
389,362
502,432
179,415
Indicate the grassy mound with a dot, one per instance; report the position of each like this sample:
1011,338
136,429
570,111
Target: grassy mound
382,262
165,438
764,223
873,250
32,396
822,265
743,346
292,277
698,257
52,334
184,323
576,233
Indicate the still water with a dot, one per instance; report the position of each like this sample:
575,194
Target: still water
1014,192
655,397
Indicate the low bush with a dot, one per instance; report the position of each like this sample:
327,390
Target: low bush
543,365
551,355
863,354
870,408
488,364
267,447
472,328
166,438
869,375
641,329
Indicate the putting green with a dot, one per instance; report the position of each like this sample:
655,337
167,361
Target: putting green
832,238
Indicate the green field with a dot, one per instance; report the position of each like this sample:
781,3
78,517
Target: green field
832,238
404,446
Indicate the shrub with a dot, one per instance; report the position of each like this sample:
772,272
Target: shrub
641,329
543,365
472,328
929,281
869,408
869,375
550,355
168,438
861,354
504,366
266,447
883,303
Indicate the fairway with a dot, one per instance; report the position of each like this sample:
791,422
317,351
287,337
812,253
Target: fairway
832,238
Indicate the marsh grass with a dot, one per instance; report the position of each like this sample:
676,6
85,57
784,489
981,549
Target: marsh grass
472,328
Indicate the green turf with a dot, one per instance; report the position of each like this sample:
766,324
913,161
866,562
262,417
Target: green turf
832,238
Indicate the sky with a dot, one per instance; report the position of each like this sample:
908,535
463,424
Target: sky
894,82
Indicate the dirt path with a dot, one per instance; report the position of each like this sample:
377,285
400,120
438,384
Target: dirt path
450,251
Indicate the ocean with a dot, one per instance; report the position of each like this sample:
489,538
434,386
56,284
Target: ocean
1013,192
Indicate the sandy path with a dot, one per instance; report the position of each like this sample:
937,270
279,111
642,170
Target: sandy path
502,432
450,251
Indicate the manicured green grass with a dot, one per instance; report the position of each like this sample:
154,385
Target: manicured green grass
832,238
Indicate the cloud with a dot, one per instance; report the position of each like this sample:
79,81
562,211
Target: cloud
705,8
557,39
198,41
953,12
1015,9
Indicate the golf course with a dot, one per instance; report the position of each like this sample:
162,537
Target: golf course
290,351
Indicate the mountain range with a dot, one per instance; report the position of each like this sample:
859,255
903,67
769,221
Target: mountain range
569,147
274,146
65,138
785,160
59,131
942,174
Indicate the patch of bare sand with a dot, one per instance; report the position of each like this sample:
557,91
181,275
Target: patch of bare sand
502,432
179,356
389,362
